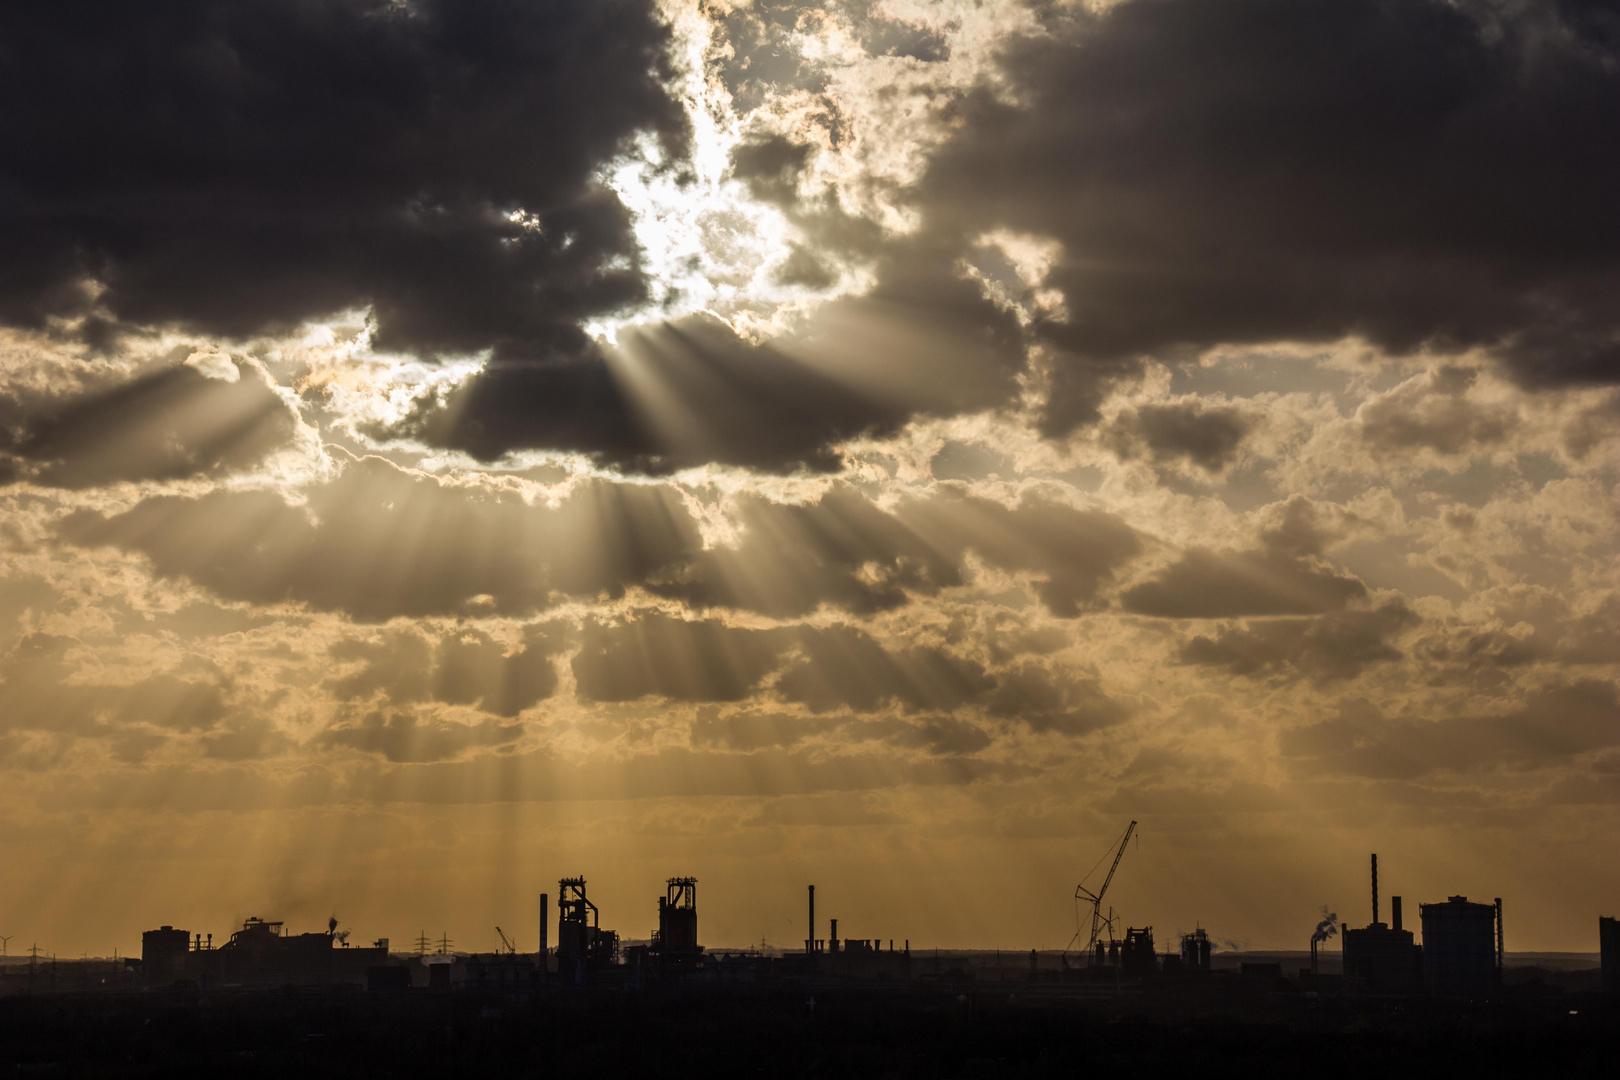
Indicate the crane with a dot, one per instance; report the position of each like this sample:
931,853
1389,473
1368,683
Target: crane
1082,893
506,941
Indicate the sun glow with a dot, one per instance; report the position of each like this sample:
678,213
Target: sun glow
707,245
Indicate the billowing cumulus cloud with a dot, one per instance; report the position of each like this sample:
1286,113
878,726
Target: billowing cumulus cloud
448,445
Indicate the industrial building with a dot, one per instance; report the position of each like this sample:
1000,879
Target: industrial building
583,947
260,954
1195,951
1380,958
1462,948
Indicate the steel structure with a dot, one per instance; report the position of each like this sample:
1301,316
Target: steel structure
1099,922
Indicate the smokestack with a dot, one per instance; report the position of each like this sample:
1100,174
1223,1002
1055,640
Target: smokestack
810,942
1501,952
545,918
1375,889
1395,912
832,937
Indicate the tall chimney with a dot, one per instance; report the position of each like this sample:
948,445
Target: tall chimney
1395,912
1501,953
545,917
810,942
1375,889
832,937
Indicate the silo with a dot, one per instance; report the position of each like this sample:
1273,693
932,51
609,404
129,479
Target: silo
1460,948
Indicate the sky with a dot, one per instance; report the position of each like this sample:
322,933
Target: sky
450,445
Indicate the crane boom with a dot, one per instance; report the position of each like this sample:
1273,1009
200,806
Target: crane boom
1081,890
506,941
1096,898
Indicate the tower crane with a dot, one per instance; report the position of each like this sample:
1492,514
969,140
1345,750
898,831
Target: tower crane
1098,921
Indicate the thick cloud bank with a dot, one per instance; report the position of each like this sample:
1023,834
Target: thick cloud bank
1242,171
232,167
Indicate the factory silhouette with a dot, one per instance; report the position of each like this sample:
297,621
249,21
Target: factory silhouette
1461,956
1393,997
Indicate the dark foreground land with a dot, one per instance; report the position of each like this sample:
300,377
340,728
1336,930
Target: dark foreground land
850,1033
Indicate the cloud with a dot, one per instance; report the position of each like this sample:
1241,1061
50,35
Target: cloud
1551,726
1340,645
690,391
755,731
1074,553
1205,436
44,687
673,658
842,550
846,551
1413,173
1206,584
463,667
1435,413
236,167
380,541
404,736
168,424
1045,702
845,667
825,669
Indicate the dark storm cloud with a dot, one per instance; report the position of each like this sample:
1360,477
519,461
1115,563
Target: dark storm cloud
1206,584
1227,171
1208,437
237,165
380,541
691,391
1550,726
166,424
1337,646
